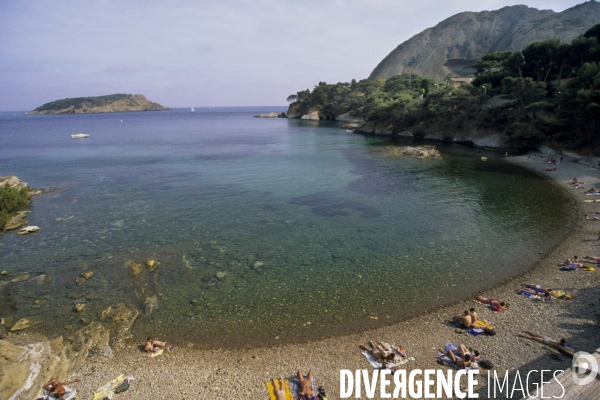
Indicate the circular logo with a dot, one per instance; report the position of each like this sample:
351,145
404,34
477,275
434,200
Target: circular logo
584,368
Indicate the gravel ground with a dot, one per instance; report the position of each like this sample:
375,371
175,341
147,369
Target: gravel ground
189,373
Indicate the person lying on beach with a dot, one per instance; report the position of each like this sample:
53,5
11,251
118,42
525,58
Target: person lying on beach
549,168
382,354
306,391
279,391
576,182
152,344
592,259
586,218
463,361
465,319
543,339
57,389
496,305
574,267
591,191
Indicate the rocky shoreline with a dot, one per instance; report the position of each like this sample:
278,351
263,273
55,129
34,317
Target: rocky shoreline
190,372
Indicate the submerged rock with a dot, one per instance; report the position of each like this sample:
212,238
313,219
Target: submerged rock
25,323
79,307
135,269
20,278
41,279
152,265
220,275
87,275
80,280
414,152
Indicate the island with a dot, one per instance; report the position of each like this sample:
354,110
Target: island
100,104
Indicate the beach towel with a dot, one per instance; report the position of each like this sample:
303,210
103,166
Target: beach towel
296,385
271,390
109,388
477,329
157,353
535,296
377,365
550,348
70,394
448,360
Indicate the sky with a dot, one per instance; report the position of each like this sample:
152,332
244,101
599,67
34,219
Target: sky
206,53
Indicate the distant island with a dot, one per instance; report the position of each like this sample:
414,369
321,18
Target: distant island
100,104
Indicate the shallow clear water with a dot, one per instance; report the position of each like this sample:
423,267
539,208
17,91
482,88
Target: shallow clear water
348,238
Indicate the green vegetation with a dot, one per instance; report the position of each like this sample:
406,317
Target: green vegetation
11,200
82,102
549,91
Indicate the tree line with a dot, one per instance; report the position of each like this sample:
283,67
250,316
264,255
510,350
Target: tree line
549,91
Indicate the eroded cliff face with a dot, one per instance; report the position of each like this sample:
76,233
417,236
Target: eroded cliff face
454,45
135,102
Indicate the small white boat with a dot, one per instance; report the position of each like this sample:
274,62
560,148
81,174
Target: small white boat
192,110
79,135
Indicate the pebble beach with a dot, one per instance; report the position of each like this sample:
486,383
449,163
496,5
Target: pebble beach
189,372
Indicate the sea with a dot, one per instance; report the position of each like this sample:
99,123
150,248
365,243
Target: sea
265,230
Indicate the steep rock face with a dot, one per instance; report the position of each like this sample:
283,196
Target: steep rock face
455,44
131,102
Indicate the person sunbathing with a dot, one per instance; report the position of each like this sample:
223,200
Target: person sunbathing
57,389
279,391
378,351
496,305
592,191
473,315
543,339
586,218
593,259
306,391
576,182
549,168
463,361
151,345
465,319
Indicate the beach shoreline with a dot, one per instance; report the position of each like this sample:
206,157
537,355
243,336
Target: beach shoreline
190,373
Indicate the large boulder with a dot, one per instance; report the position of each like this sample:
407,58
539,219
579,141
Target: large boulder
311,115
25,368
414,152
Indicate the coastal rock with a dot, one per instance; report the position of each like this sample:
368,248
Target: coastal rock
26,368
294,111
350,126
79,307
347,117
20,278
4,272
28,229
373,128
13,181
121,317
269,115
17,221
311,115
414,152
25,323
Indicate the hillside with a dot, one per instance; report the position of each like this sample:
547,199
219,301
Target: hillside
100,104
455,44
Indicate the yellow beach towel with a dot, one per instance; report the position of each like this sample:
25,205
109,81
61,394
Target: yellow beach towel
271,390
483,324
157,353
109,388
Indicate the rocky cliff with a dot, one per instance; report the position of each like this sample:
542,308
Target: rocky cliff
100,104
454,45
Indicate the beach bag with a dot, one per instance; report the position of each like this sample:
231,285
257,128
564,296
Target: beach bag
489,332
122,387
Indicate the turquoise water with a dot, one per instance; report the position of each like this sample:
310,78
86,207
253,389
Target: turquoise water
313,231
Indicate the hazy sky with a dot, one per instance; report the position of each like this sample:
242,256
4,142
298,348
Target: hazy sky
205,53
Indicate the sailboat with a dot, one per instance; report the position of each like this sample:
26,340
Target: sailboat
192,110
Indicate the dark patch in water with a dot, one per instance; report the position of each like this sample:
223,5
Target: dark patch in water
376,179
325,204
226,156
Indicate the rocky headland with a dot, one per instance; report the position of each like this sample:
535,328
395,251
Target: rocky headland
17,220
100,104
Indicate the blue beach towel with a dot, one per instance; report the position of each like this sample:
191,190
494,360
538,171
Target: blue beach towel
296,385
